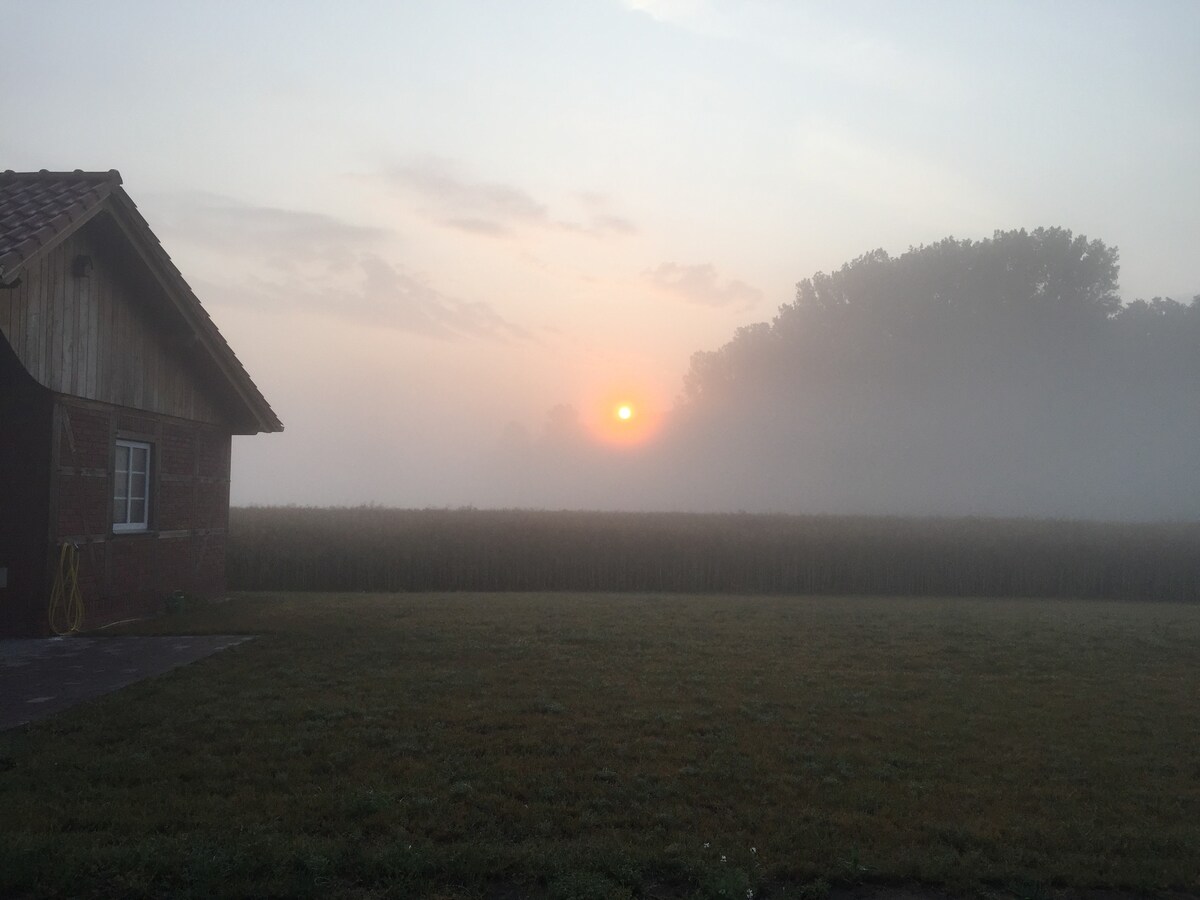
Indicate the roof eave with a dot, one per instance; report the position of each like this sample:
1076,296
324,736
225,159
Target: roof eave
137,231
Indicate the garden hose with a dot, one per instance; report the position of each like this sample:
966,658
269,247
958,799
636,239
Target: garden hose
66,603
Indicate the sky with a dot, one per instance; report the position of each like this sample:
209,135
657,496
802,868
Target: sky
429,230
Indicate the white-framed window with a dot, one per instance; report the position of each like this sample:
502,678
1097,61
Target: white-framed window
131,486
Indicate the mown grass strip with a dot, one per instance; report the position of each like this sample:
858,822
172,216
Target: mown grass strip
606,746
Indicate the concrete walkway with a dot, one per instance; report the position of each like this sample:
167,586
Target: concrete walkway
41,677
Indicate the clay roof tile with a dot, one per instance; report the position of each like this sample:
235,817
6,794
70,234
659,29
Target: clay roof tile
35,207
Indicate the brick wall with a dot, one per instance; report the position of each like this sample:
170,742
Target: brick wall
125,575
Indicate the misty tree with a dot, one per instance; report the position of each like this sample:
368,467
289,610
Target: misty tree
1160,334
995,375
1007,297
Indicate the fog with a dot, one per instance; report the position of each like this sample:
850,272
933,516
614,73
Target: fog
1003,376
1000,377
447,239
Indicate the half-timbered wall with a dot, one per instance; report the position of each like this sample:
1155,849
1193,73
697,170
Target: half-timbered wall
87,320
96,346
123,575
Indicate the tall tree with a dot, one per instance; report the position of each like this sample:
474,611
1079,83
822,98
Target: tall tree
1000,375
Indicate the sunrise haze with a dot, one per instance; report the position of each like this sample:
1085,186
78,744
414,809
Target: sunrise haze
439,235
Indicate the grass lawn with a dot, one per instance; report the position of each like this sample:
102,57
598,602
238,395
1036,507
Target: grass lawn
595,746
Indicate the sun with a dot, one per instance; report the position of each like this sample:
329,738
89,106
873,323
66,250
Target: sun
623,416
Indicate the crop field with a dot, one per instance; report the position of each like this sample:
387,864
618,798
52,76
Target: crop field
372,548
626,745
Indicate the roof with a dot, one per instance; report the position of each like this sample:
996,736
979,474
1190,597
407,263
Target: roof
39,210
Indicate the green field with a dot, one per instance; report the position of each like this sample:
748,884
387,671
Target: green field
594,746
375,548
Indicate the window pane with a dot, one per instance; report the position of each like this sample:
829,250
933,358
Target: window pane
131,485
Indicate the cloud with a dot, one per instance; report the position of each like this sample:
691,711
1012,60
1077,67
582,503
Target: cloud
599,226
476,207
492,209
393,297
380,294
483,227
281,237
700,285
289,260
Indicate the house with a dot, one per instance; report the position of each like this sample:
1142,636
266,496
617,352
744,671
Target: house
118,400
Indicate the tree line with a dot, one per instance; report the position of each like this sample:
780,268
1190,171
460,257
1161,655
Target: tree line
995,377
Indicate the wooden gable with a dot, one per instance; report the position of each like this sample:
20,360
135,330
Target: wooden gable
93,307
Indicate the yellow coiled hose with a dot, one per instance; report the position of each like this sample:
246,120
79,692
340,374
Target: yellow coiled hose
66,603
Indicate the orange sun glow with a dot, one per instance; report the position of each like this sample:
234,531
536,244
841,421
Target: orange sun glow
624,417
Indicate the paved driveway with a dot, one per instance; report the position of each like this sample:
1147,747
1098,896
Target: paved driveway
40,677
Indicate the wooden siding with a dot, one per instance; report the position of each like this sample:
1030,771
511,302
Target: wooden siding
104,335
